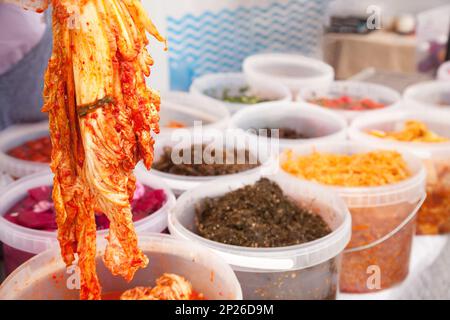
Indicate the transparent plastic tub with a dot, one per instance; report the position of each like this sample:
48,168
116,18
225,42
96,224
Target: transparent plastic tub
428,95
291,70
375,92
311,121
20,243
187,109
233,139
45,277
15,136
434,216
213,86
384,220
307,271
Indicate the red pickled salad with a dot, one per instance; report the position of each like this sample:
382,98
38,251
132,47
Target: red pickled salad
36,210
348,103
37,150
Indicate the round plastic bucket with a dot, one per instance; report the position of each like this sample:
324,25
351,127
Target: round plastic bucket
378,93
213,86
311,121
434,216
45,277
383,220
291,70
430,94
189,110
307,271
233,139
20,243
15,136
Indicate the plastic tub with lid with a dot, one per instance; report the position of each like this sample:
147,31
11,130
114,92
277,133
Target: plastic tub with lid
45,277
313,122
428,95
353,89
16,136
306,271
383,218
21,243
215,86
291,70
434,216
185,110
228,139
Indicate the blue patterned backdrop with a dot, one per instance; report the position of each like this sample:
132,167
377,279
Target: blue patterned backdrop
219,41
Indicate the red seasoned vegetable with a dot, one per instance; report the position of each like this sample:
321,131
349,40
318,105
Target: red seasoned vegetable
38,150
348,103
36,210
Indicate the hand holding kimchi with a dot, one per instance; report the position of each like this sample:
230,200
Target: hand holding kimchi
101,116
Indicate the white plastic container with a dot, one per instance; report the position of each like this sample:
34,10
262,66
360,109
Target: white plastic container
311,121
228,139
20,243
361,90
187,109
306,271
35,280
291,70
444,72
434,216
428,95
15,136
213,86
383,222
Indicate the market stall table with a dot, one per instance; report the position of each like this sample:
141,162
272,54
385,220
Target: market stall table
351,53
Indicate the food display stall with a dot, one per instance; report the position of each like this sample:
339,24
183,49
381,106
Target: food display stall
260,172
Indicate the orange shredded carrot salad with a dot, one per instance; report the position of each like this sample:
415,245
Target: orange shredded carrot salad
414,131
375,168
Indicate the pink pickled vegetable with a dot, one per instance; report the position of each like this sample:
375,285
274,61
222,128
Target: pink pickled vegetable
36,210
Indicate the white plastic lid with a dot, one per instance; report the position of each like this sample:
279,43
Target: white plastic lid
233,139
376,92
410,190
394,121
310,120
213,86
320,200
292,70
15,136
430,94
36,241
188,108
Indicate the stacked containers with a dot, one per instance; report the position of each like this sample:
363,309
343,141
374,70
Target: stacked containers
45,276
434,216
291,70
384,220
355,90
20,243
307,271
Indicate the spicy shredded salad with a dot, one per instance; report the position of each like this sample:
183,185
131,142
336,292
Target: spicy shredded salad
375,168
414,131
